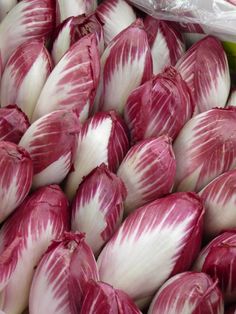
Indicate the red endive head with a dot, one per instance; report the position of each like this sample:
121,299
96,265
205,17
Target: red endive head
16,177
167,45
100,297
127,56
51,142
29,19
164,235
97,209
188,292
148,171
116,15
218,260
205,148
219,197
13,124
20,85
73,29
103,139
24,238
63,272
160,106
205,69
79,71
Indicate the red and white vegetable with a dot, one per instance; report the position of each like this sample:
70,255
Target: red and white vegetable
166,43
24,238
115,15
79,71
72,30
59,283
65,8
148,171
16,177
160,106
189,292
24,76
205,69
98,206
220,198
25,22
156,241
103,298
51,142
13,124
218,259
103,139
128,56
205,148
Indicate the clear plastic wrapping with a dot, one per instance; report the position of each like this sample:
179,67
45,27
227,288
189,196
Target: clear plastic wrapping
214,16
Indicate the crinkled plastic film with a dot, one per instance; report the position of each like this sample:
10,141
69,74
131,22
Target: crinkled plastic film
219,15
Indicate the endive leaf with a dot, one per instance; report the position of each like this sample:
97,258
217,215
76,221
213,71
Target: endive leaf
13,124
29,19
103,139
205,69
51,142
97,209
73,82
116,15
63,272
207,144
5,7
160,106
65,8
166,43
164,235
41,218
220,197
189,292
148,171
24,76
127,56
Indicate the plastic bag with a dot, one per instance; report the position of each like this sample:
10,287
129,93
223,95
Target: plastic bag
198,18
214,16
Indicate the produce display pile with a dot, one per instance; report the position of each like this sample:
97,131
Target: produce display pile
117,163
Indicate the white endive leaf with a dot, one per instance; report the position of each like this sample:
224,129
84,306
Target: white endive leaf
125,64
103,139
155,241
5,7
97,209
70,8
115,15
166,43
